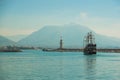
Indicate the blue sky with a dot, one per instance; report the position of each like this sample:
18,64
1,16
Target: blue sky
22,17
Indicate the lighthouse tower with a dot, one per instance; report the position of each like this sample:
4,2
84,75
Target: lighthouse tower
61,43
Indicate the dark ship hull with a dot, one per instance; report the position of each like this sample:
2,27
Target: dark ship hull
90,49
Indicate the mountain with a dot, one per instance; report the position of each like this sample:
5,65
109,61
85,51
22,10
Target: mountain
5,42
16,38
72,34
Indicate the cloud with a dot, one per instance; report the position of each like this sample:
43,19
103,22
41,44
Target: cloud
103,25
83,15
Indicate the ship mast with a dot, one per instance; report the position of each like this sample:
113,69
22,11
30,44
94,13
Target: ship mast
89,39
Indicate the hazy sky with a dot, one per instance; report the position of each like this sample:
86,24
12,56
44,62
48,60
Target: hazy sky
25,16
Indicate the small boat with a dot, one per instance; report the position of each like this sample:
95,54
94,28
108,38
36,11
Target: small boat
90,45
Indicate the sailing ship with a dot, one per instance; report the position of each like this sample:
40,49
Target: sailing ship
89,44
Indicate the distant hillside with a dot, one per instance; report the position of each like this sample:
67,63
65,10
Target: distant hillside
72,34
5,42
16,37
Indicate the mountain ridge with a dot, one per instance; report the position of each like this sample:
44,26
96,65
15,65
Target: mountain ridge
73,35
5,41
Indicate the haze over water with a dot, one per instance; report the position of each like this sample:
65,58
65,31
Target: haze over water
19,19
38,65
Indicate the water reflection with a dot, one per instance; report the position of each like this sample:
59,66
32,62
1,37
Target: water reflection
90,67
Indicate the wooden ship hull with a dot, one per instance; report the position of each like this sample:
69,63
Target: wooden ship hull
90,49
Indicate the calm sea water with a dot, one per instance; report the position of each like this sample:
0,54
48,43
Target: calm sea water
38,65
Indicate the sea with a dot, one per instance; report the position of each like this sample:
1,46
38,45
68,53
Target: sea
39,65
